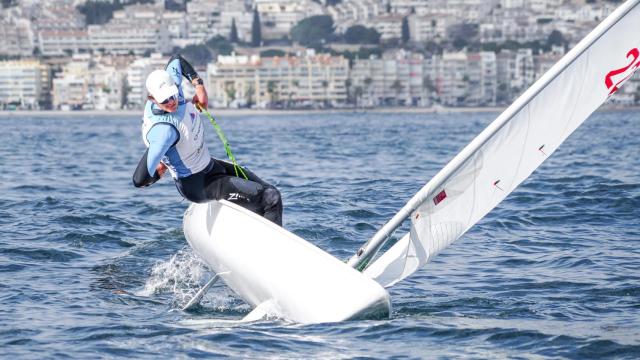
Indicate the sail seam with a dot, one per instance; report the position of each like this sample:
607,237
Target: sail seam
524,148
575,105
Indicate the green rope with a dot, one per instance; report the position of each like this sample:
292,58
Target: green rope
223,138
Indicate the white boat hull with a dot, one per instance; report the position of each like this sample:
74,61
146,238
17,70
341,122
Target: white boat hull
265,264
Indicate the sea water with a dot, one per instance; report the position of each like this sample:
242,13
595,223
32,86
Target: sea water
91,267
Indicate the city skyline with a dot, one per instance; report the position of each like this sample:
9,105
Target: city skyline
414,53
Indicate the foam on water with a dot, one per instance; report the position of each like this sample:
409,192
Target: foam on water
181,276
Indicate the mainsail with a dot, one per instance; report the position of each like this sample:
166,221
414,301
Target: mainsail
509,149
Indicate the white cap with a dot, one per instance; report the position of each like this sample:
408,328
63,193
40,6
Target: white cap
161,86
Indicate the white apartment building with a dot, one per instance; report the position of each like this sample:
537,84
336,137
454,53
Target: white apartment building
389,26
16,37
472,10
406,7
55,15
512,4
209,18
279,16
137,74
349,13
543,5
69,92
204,20
594,13
137,29
395,79
243,17
59,28
423,28
118,38
544,62
515,72
106,91
23,84
61,42
176,24
451,78
310,80
463,79
90,83
507,24
481,81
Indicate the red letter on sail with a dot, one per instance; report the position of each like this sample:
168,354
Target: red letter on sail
438,198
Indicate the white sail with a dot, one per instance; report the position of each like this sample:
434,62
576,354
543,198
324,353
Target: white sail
510,148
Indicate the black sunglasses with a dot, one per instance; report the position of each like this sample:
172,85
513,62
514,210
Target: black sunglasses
173,97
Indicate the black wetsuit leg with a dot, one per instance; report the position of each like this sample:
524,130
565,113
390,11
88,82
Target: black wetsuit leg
193,187
218,181
269,199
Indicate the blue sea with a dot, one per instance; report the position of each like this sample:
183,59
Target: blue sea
91,267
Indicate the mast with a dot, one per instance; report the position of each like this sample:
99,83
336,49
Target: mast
366,253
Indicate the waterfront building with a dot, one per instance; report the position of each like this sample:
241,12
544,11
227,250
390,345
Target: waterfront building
465,79
451,78
395,79
137,72
349,13
307,80
543,62
24,84
481,79
89,83
389,26
515,73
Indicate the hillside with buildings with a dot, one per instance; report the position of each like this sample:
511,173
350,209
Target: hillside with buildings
69,54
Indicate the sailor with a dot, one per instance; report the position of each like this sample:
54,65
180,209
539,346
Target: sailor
174,136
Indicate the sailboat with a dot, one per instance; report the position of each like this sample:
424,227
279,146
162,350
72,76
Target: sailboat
281,274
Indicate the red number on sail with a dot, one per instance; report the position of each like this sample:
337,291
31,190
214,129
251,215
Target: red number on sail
438,198
634,54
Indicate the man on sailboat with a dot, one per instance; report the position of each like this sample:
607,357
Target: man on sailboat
174,136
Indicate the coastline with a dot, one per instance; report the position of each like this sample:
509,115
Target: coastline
239,112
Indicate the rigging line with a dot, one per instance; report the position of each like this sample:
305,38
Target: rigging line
225,142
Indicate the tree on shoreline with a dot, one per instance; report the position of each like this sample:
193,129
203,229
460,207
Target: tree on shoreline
359,34
8,3
313,31
256,31
233,35
405,30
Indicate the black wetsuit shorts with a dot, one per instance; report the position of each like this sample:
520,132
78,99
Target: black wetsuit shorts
219,181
